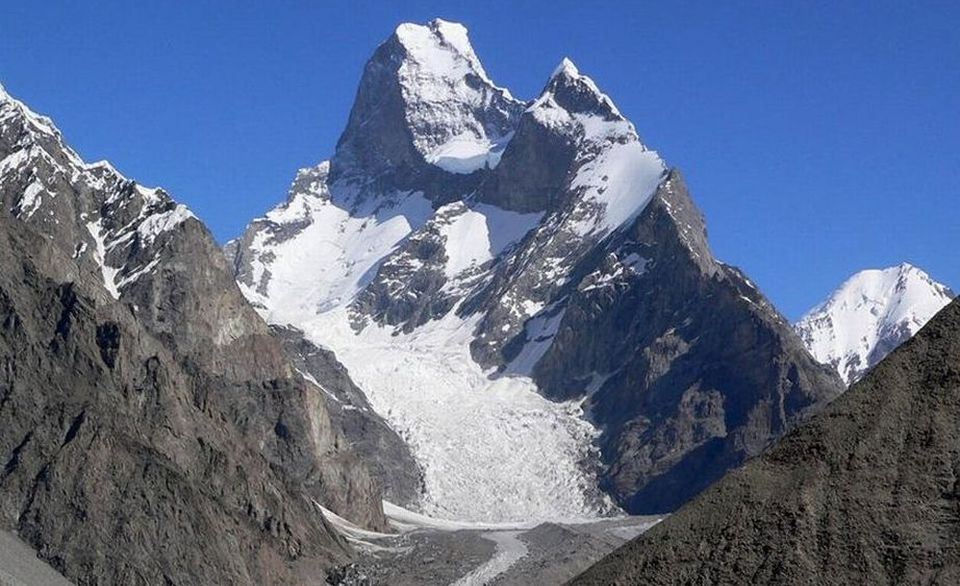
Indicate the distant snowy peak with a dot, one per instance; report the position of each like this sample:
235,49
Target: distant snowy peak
871,314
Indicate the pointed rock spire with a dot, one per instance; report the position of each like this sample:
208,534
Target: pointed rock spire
578,94
425,102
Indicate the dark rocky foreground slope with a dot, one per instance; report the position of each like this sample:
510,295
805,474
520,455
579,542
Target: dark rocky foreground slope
151,428
864,493
122,466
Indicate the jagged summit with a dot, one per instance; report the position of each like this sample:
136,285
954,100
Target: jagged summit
873,312
577,93
426,107
566,67
425,104
440,44
38,136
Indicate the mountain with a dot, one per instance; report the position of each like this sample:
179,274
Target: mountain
525,291
872,313
863,493
152,429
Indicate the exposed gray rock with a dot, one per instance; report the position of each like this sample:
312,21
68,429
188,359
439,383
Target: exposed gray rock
688,368
111,446
407,289
19,565
141,397
370,437
863,493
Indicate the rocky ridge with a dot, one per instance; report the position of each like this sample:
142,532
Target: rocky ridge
142,397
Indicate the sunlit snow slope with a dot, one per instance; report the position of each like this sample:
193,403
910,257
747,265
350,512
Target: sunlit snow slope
872,313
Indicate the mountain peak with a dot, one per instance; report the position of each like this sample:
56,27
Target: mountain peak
873,312
425,102
440,46
577,93
567,68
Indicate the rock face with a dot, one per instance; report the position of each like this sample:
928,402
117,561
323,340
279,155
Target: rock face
424,104
872,313
864,492
460,243
388,458
686,365
151,428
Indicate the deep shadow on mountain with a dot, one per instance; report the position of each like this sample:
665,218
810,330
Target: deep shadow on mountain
865,492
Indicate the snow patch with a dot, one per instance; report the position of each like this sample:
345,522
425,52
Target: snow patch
510,550
466,153
31,199
540,331
480,233
109,273
622,180
156,224
334,256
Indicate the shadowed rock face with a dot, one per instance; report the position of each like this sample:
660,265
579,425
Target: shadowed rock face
687,367
151,427
865,492
120,464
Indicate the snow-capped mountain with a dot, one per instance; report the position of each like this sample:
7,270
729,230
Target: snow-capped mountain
872,313
514,284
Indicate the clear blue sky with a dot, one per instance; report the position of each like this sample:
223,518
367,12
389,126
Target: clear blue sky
818,138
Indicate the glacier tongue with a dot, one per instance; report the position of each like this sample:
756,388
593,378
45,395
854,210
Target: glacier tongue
492,450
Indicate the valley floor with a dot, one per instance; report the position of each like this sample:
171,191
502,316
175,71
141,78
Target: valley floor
430,551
